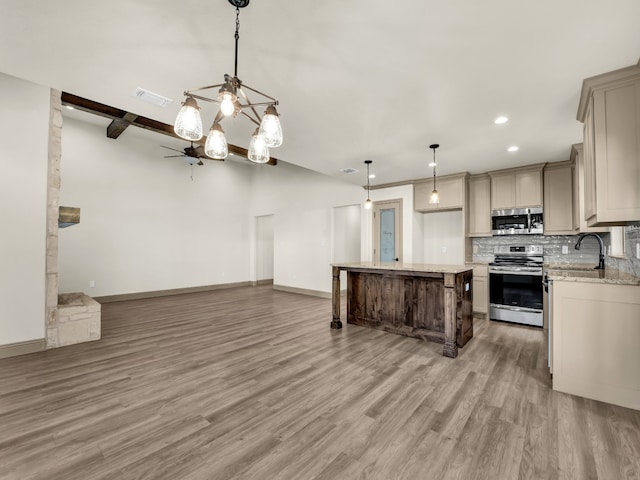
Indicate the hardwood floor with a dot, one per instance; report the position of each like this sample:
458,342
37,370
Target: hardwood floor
251,383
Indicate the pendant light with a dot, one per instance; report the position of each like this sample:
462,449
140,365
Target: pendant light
216,145
230,97
434,198
258,148
368,203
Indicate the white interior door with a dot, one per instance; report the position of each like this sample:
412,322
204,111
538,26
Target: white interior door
387,231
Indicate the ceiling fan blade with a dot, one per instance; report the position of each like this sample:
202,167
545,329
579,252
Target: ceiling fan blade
169,148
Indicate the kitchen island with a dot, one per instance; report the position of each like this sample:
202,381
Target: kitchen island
431,302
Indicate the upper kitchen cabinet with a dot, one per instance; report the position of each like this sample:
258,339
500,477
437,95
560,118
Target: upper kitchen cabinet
558,199
479,206
516,187
610,111
579,222
451,190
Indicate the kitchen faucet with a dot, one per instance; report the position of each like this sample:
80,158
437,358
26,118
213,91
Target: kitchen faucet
601,260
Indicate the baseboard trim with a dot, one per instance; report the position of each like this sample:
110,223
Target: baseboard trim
260,283
165,293
22,348
302,291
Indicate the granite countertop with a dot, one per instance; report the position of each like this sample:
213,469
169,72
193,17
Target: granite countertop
590,275
405,267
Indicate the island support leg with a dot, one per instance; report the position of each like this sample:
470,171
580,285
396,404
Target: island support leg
450,306
335,295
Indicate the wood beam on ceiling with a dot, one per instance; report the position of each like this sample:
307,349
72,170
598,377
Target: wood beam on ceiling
121,119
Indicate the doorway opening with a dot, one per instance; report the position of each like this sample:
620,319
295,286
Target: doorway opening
264,250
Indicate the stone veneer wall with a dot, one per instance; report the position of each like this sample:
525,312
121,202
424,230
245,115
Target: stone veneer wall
78,319
53,203
71,318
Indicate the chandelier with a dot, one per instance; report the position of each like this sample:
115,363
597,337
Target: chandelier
233,100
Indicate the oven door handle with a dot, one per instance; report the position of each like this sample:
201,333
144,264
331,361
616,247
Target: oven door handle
516,309
537,272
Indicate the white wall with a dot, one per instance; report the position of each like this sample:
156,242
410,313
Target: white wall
144,224
24,133
443,237
302,202
347,236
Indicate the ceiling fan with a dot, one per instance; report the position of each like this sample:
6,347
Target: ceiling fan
191,154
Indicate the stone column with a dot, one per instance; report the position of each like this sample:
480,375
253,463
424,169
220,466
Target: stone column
53,203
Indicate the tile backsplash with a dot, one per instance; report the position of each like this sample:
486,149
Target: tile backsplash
552,244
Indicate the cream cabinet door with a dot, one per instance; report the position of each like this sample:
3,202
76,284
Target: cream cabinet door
529,189
479,208
558,199
503,191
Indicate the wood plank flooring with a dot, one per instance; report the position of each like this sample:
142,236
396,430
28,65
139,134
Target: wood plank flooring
251,383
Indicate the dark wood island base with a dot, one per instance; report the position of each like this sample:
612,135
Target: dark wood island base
431,302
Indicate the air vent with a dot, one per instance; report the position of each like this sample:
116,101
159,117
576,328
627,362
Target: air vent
349,170
151,97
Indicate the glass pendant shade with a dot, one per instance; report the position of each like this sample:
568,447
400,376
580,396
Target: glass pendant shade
188,122
368,204
434,198
258,149
270,127
216,145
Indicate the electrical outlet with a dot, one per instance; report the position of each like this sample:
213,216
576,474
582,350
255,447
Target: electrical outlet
444,249
475,248
565,249
92,283
638,250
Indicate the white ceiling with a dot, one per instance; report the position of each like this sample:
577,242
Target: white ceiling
356,80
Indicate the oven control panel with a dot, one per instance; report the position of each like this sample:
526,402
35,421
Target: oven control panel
518,250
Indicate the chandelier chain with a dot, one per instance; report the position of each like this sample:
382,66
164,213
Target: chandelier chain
237,37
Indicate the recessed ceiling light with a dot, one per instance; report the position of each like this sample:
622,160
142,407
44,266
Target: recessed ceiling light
513,148
373,175
349,170
500,120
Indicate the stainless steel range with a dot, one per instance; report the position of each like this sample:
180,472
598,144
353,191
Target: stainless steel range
515,284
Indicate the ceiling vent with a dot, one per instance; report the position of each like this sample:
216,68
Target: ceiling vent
151,97
349,170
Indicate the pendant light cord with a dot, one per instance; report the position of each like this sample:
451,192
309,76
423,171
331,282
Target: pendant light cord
367,181
237,37
434,168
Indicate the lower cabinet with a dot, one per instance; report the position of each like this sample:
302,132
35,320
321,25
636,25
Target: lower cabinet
480,289
595,332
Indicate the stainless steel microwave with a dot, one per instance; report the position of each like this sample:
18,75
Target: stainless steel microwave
517,221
